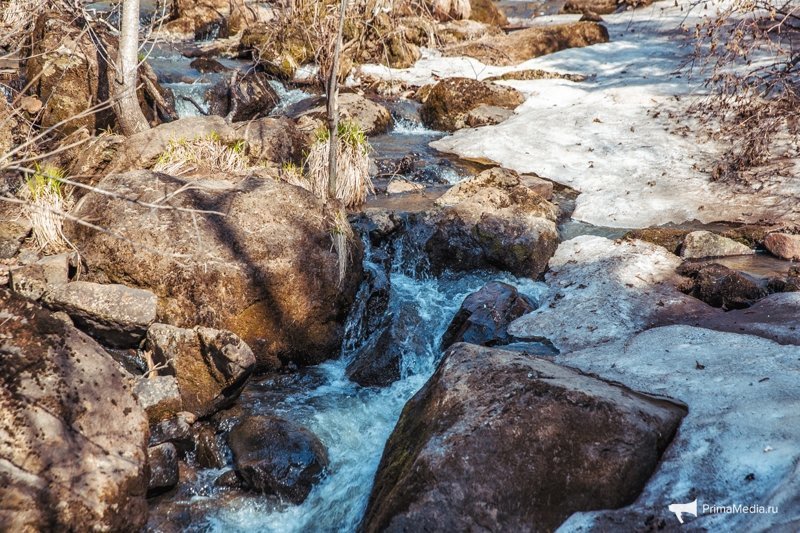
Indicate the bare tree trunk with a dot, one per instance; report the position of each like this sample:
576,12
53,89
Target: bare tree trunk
333,108
123,86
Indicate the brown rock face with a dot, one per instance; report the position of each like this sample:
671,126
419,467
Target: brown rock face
783,245
601,7
264,271
448,103
493,220
487,11
372,117
242,98
211,366
72,438
72,76
501,441
519,46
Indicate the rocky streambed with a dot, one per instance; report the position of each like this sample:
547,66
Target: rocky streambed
499,354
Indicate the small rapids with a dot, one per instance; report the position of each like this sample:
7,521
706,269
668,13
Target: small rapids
353,422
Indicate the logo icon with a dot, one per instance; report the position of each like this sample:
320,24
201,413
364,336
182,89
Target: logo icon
680,508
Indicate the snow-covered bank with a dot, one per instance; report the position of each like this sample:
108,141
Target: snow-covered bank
738,444
615,136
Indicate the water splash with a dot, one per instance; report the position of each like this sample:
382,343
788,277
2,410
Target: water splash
354,422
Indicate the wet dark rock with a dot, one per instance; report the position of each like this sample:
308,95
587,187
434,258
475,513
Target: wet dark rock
242,98
378,362
720,286
73,456
276,456
211,366
484,316
114,314
372,300
503,441
162,461
229,480
451,100
177,430
210,450
206,64
271,280
159,396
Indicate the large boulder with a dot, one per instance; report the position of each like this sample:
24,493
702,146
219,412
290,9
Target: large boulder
520,46
450,101
737,444
73,451
372,117
262,268
484,316
276,456
493,220
502,441
268,140
211,366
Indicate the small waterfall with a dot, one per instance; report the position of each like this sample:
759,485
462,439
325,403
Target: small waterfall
355,422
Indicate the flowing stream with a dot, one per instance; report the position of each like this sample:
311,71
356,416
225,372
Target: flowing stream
353,422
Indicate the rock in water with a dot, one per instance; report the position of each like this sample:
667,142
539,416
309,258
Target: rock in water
372,117
493,221
720,286
451,100
278,457
699,244
211,366
73,439
265,270
783,245
501,441
244,98
162,461
484,316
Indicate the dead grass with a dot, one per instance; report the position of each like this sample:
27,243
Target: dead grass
47,201
207,154
353,183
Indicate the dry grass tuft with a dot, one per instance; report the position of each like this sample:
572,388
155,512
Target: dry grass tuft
47,200
353,183
207,154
